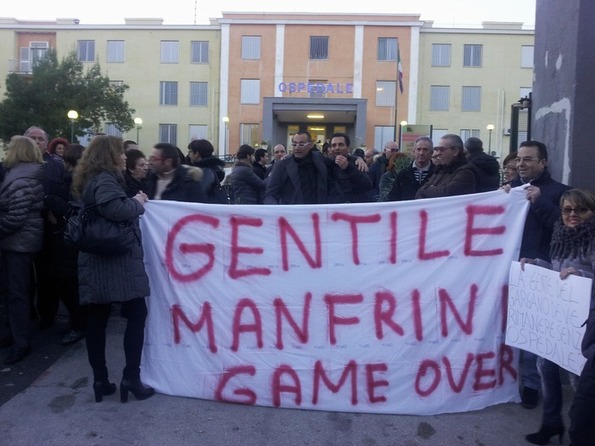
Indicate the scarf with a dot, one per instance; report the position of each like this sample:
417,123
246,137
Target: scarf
573,242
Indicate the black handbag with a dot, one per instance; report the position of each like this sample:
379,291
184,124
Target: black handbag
88,231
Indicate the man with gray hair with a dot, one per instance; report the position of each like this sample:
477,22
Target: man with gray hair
412,178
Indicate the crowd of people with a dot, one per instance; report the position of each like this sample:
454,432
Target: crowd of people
39,179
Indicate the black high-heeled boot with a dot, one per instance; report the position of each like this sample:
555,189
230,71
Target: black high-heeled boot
544,434
136,387
101,388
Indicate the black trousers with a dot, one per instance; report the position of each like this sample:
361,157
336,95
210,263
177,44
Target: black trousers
582,411
135,311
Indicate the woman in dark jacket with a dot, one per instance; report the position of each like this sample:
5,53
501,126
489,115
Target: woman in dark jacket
104,279
572,252
248,188
21,236
136,171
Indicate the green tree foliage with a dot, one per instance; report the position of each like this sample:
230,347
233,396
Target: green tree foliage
54,88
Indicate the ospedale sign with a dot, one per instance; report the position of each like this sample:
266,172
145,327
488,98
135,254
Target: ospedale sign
315,87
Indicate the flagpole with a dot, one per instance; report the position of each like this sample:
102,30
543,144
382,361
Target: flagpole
397,94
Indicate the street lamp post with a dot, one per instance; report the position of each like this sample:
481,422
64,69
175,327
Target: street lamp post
226,123
138,122
73,116
490,128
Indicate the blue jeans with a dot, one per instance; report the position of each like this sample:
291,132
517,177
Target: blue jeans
528,370
551,387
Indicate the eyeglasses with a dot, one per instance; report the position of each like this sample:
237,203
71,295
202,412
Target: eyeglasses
526,159
442,148
578,211
156,158
299,144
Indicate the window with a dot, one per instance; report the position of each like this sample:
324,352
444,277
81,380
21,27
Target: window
249,134
115,51
383,134
198,131
472,55
31,55
250,91
250,47
387,48
112,130
318,47
471,99
168,133
169,51
86,50
199,51
199,94
439,97
441,54
527,56
168,93
468,133
385,93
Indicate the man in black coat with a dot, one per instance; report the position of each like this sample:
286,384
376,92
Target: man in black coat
170,180
200,154
487,166
544,194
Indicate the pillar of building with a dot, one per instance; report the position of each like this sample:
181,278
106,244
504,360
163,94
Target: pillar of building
563,104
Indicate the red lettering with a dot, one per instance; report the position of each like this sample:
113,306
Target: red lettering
426,366
285,228
472,231
188,248
481,373
320,374
393,238
446,301
421,253
281,309
250,396
177,315
239,328
332,300
236,249
457,387
372,383
417,323
296,388
353,221
385,315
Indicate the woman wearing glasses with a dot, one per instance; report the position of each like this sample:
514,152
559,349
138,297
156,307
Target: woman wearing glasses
572,252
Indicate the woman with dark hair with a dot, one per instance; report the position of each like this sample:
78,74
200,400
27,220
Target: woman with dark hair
572,252
57,146
509,169
21,236
136,171
105,279
247,187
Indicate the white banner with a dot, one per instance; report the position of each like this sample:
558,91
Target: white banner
546,315
380,307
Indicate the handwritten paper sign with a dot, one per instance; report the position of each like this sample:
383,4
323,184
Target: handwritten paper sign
375,307
546,314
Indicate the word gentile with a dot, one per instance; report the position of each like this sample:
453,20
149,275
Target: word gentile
315,87
366,307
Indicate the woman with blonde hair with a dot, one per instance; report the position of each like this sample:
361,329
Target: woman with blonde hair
106,279
21,235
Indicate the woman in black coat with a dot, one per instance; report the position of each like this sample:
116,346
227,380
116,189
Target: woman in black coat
104,279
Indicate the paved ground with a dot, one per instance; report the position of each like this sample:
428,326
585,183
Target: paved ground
57,408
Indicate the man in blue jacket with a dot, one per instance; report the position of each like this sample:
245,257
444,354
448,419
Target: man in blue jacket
544,194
